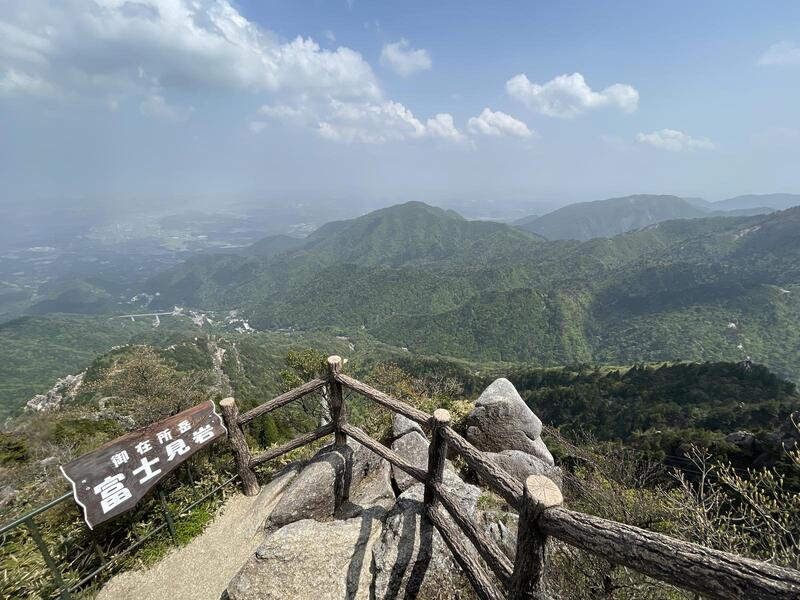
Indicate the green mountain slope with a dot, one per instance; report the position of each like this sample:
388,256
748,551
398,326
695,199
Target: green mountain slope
35,351
273,245
407,234
607,218
423,278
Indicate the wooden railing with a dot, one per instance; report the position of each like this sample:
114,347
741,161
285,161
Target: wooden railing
538,500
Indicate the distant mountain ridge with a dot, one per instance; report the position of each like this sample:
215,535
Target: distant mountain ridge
751,201
423,278
614,216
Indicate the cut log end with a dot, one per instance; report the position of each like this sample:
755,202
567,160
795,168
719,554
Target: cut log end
227,402
441,416
543,491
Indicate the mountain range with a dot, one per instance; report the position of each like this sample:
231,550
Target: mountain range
607,218
426,279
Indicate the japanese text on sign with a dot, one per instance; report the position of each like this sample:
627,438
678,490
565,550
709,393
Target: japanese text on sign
113,478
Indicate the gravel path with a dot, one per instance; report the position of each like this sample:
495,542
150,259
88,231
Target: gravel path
202,569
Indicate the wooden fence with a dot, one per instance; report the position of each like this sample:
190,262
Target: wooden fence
538,500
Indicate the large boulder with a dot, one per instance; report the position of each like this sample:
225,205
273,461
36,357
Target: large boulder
413,447
540,451
502,421
402,425
309,559
317,491
410,559
363,464
270,495
520,465
368,482
743,439
500,526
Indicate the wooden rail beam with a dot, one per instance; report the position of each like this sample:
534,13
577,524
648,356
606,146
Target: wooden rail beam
300,440
393,457
278,401
494,476
385,400
464,554
498,562
712,573
241,453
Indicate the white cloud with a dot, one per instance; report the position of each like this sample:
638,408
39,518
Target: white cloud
496,123
568,96
404,60
675,141
154,51
84,45
442,126
370,123
379,123
782,53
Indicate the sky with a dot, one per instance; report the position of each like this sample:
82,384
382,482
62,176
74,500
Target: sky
527,103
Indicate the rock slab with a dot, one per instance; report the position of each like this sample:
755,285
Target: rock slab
411,559
309,559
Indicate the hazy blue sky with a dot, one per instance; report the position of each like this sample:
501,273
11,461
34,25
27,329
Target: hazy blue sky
436,101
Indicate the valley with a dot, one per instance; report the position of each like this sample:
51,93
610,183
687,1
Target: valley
419,280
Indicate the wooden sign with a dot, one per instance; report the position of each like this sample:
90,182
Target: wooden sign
112,479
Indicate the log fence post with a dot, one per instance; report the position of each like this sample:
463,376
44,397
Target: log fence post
527,582
241,453
335,400
437,453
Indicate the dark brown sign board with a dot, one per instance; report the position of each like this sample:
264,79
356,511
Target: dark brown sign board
112,479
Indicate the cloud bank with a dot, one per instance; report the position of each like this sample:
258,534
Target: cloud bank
675,141
568,96
496,123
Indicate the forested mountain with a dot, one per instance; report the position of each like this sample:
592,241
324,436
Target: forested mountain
750,201
607,218
426,279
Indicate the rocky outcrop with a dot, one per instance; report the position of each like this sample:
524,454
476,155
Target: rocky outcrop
501,527
412,446
521,465
64,390
742,439
350,525
402,425
338,482
309,559
502,421
316,492
369,483
503,426
410,557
